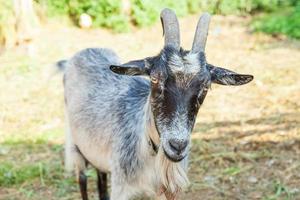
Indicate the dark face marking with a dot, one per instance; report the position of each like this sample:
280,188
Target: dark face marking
170,96
176,95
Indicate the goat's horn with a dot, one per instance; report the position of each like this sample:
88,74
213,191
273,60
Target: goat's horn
170,28
201,33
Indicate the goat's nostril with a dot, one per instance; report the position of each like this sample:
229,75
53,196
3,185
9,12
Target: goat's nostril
178,145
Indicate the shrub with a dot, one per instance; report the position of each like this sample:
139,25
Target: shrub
109,13
146,12
284,22
55,7
105,13
242,7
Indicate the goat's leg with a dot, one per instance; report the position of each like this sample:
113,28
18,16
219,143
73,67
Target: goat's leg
81,165
82,179
102,185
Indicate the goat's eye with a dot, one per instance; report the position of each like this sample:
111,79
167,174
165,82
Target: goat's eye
157,88
154,80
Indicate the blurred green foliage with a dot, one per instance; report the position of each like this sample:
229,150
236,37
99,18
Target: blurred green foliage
280,16
105,13
242,7
146,12
285,21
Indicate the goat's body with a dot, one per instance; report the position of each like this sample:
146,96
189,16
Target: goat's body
110,122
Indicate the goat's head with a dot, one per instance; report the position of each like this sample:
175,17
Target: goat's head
179,83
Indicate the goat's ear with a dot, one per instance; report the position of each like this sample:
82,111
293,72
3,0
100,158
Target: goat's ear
132,68
226,77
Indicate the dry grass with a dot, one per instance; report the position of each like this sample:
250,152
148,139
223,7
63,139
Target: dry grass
246,143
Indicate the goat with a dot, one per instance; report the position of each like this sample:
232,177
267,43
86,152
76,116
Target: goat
134,120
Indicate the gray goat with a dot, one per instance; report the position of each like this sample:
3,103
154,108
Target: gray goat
134,120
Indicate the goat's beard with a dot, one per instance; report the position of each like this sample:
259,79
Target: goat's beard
172,175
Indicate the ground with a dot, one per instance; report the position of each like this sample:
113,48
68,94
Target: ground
246,142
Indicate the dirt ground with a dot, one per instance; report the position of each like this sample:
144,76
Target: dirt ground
246,142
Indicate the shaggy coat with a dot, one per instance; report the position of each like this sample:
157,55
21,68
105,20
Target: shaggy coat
134,120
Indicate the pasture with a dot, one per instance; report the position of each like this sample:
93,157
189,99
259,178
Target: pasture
246,142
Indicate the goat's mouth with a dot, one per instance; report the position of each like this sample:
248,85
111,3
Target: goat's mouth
174,157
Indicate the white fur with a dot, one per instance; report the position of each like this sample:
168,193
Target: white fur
186,65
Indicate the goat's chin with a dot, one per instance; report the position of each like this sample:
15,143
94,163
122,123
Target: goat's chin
174,158
172,174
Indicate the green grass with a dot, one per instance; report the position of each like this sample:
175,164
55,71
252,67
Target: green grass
232,171
11,174
280,192
32,163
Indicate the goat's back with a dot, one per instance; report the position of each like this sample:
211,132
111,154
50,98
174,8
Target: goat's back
101,105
